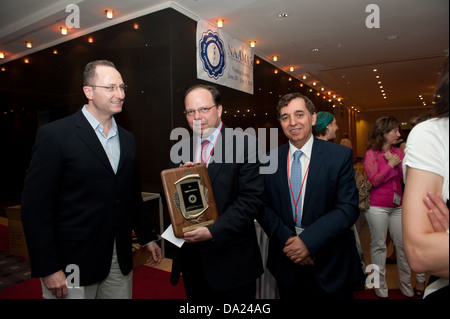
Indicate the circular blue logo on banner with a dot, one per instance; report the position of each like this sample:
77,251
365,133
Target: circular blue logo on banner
212,54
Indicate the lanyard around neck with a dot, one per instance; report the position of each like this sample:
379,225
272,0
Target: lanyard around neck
301,188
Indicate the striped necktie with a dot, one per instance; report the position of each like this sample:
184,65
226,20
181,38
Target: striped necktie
204,158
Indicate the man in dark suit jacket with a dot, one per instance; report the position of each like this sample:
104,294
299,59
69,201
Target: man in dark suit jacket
222,260
317,257
82,196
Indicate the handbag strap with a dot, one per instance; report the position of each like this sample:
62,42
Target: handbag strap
362,162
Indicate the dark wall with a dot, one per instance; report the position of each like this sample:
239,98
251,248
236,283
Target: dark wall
157,62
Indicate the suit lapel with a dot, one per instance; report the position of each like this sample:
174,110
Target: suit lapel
88,136
283,181
124,147
317,158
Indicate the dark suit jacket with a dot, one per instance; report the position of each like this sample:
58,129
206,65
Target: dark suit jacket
233,258
74,205
330,209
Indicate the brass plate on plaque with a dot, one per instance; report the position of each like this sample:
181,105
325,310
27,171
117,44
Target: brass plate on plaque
189,198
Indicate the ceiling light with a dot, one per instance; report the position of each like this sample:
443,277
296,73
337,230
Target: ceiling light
63,30
2,55
283,15
91,40
136,26
375,70
109,14
252,44
315,50
29,44
392,37
26,60
291,69
275,58
220,23
304,77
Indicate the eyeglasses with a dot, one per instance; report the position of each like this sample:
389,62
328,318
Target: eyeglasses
112,88
201,110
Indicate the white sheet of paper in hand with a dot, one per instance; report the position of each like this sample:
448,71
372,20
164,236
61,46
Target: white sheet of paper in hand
170,236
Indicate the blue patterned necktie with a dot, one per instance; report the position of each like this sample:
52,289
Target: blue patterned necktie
296,184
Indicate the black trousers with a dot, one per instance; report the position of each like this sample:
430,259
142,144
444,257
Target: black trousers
305,287
197,287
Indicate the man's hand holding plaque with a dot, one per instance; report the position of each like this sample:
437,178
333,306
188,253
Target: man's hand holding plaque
190,201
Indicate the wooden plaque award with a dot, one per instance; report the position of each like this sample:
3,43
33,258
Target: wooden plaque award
189,198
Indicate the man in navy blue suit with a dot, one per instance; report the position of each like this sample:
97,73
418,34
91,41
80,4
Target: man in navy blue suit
312,250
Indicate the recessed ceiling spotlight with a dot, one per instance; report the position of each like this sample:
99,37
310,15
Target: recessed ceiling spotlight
283,15
392,37
315,50
109,14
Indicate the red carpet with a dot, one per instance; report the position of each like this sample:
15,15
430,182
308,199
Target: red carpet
148,283
370,294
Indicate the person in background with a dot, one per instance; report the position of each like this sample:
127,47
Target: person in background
82,199
325,127
346,140
420,118
425,218
222,261
312,249
401,142
382,164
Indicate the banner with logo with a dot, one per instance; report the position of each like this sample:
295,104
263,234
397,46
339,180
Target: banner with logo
223,59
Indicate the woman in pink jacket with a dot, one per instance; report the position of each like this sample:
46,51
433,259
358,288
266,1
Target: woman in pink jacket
383,167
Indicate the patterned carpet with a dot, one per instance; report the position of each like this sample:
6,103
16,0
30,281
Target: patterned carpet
13,270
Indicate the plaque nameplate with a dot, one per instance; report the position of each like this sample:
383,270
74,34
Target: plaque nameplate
190,199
